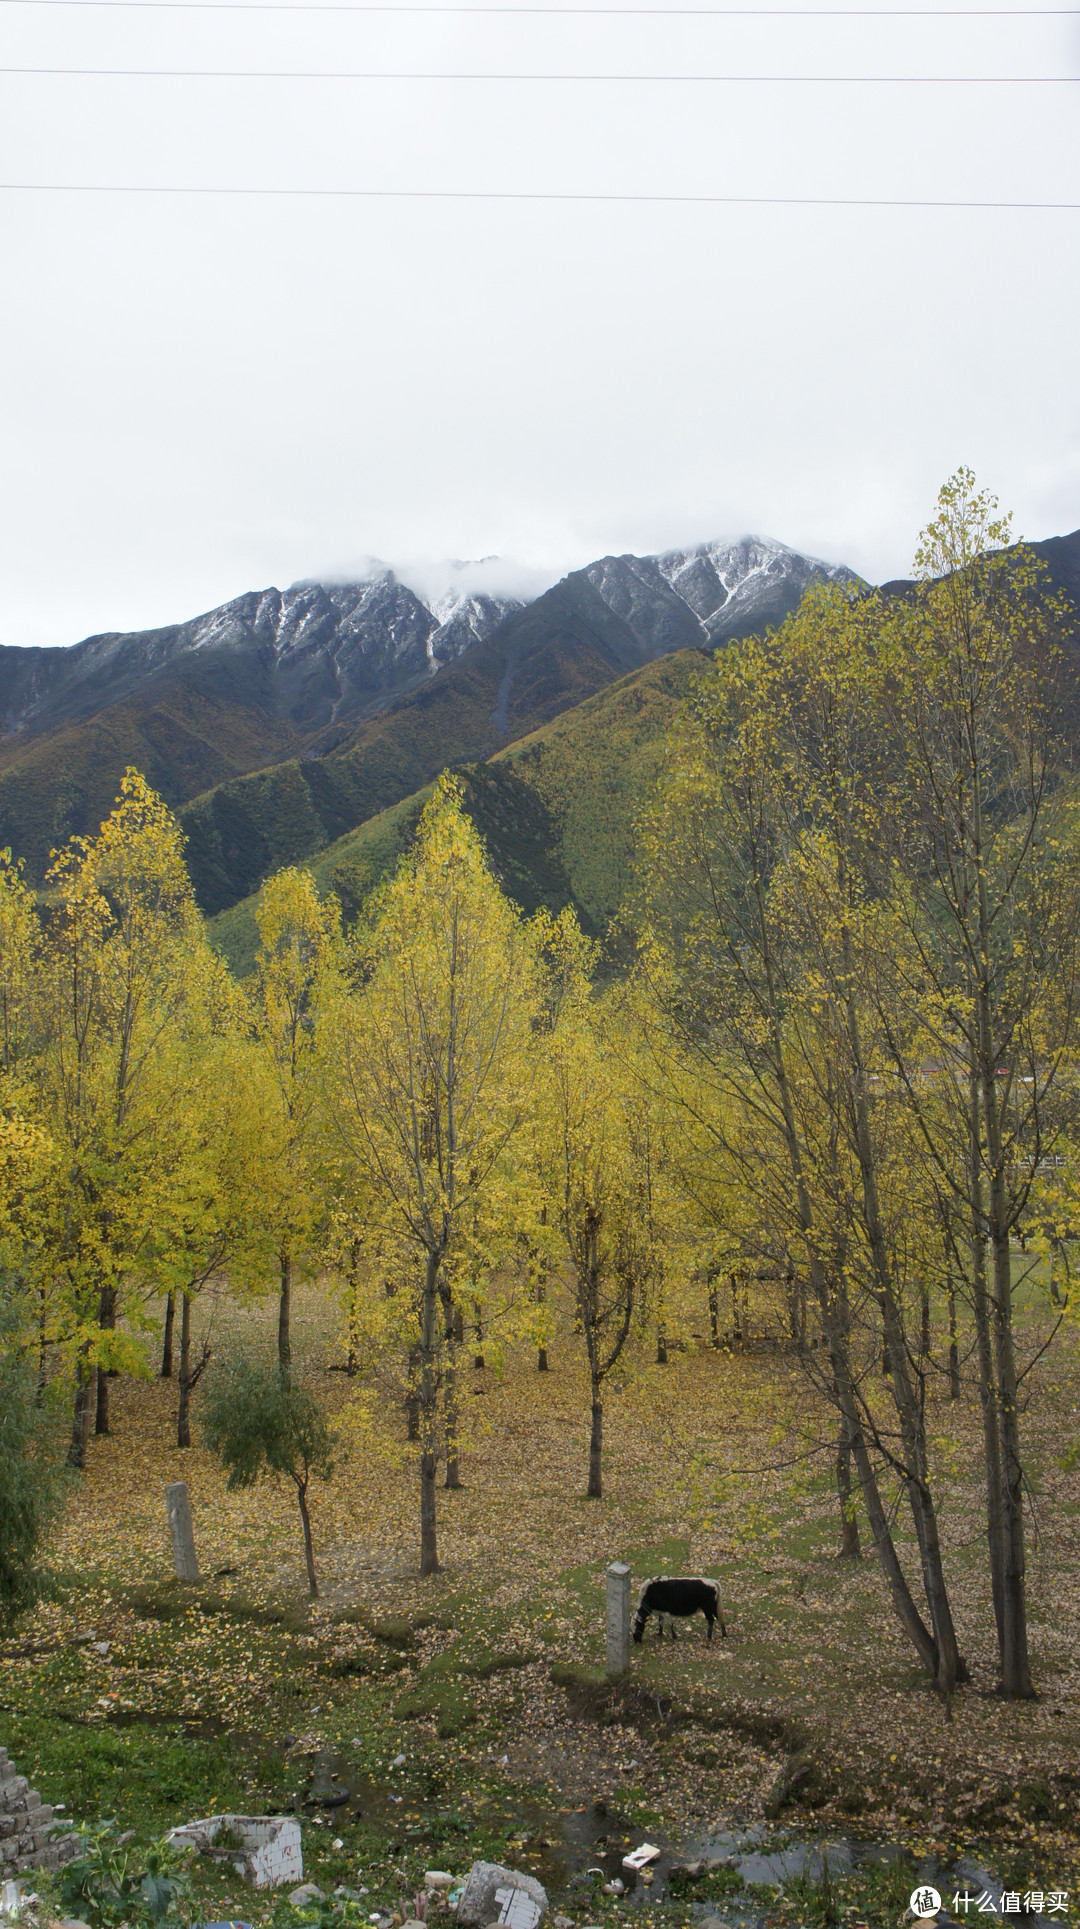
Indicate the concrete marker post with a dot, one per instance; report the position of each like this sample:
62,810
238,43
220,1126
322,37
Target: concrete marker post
183,1534
618,1620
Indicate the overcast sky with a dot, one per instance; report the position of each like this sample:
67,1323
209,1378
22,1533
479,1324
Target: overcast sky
201,396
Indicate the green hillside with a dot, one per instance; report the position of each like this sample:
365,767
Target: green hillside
555,810
536,665
64,784
593,766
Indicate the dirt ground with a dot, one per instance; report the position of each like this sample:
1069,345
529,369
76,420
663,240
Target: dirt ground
489,1676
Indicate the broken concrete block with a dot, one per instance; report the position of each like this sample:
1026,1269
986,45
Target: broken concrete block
263,1849
516,1909
492,1892
639,1858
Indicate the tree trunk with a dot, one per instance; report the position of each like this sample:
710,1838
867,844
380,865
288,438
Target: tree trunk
736,1332
107,1321
714,1312
166,1344
429,1549
796,1299
595,1488
954,1350
478,1356
412,1396
452,1328
661,1350
849,1524
906,1611
833,1314
949,1665
284,1339
980,1299
309,1552
352,1364
541,1299
41,1373
1016,1681
101,1405
183,1418
83,1412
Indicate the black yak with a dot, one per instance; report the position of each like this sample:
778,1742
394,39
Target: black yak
672,1594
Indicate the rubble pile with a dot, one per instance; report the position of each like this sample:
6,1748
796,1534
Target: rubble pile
30,1835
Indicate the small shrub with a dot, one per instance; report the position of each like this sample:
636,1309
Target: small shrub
112,1883
260,1424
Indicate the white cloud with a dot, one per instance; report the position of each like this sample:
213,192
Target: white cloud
205,396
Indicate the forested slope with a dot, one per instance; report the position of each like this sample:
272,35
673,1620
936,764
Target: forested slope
555,809
64,784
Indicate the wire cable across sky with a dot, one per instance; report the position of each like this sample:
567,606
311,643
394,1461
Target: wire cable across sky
558,12
615,13
538,195
621,80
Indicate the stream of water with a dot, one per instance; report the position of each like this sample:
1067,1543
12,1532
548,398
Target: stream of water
568,1852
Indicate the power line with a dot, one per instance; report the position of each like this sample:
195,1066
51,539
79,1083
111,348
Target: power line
496,194
618,13
669,80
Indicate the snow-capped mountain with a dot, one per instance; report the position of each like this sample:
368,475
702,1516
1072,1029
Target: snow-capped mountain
327,654
280,721
709,594
319,653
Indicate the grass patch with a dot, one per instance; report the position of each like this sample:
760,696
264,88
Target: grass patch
149,1776
479,1665
449,1703
669,1556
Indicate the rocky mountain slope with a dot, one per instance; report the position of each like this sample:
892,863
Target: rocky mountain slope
695,598
312,655
279,684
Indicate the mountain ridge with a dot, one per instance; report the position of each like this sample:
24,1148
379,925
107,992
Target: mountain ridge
556,807
538,662
274,683
262,777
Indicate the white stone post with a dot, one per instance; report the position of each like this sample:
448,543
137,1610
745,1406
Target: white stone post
183,1534
618,1619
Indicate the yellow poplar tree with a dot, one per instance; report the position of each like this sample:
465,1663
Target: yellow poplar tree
434,1056
299,941
212,1215
115,972
599,1153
